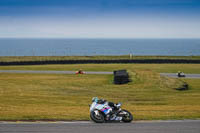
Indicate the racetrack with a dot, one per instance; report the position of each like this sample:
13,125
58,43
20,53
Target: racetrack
90,72
173,75
187,126
50,72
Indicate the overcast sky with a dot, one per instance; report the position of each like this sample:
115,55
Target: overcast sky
100,18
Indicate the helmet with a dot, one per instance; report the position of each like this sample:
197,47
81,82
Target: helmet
95,99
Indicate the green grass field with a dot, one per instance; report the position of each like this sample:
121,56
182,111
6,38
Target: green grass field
46,58
66,97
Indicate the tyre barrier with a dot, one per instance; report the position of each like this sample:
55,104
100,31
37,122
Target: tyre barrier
121,77
185,86
148,61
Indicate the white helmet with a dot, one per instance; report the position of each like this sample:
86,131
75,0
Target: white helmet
95,99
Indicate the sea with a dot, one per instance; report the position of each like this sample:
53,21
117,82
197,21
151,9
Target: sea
91,47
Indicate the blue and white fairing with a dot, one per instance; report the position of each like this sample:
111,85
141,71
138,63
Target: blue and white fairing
101,107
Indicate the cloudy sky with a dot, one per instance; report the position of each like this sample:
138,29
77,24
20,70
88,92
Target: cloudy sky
99,18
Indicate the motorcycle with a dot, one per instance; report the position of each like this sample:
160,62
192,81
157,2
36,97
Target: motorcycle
180,74
101,113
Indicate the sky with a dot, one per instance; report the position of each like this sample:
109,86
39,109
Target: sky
99,18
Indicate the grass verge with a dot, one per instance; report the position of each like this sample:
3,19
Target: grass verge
55,58
66,97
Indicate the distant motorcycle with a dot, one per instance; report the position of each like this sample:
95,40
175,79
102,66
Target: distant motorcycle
80,72
180,74
101,113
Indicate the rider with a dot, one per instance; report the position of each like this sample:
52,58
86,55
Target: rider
102,101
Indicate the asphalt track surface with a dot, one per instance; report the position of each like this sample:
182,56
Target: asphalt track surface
187,126
50,72
90,72
174,75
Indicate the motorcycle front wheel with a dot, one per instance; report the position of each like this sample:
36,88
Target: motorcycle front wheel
128,117
98,118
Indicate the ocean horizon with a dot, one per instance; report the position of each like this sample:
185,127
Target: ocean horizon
94,46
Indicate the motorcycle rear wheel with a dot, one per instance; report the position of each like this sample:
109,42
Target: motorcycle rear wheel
97,119
128,117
